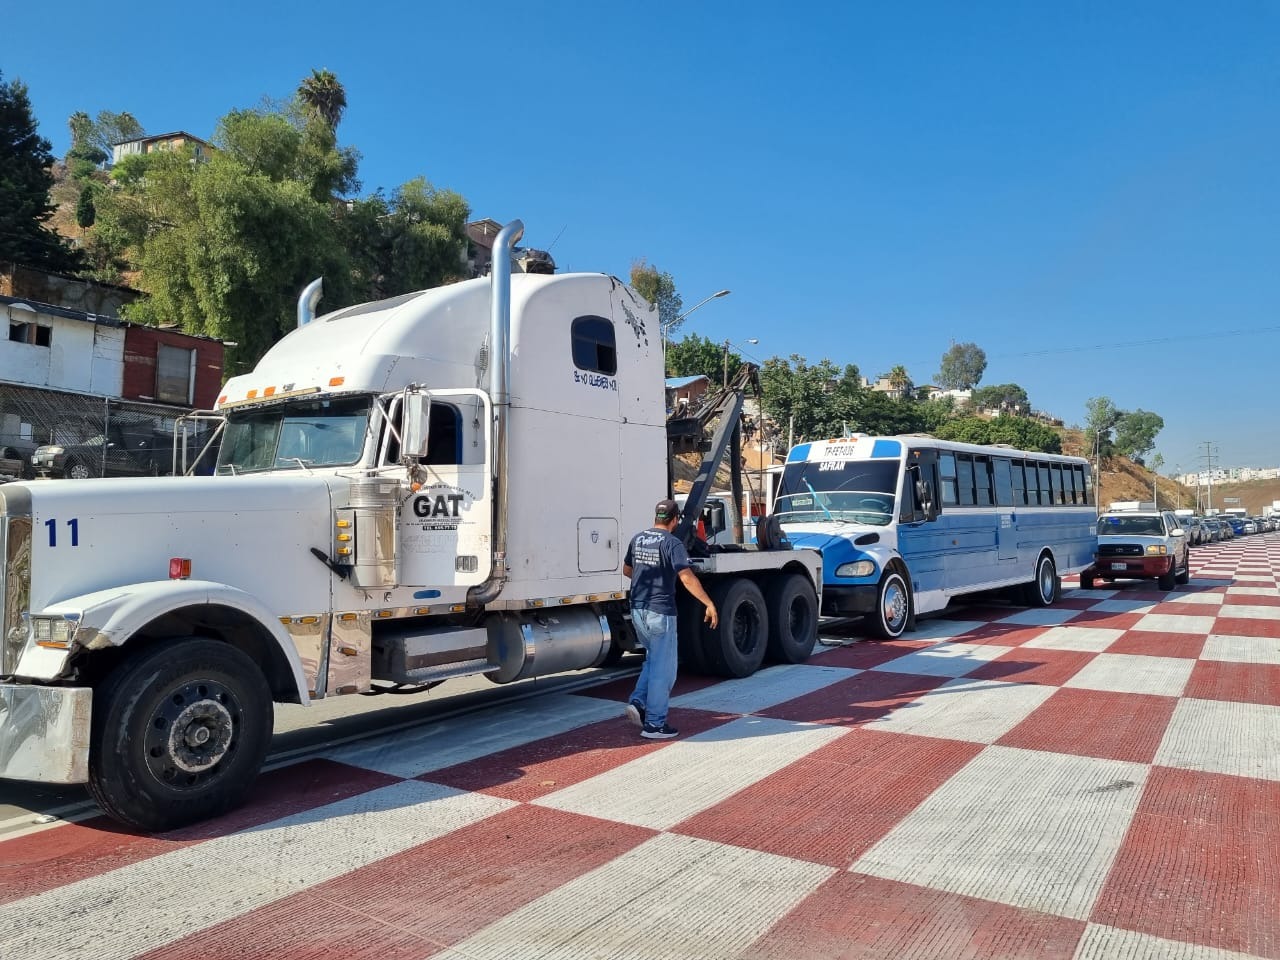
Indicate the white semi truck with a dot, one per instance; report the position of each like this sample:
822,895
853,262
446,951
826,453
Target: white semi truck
438,485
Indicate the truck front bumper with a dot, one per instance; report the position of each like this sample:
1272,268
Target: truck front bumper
847,601
44,733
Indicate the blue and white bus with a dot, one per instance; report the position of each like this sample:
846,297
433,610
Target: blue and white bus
906,523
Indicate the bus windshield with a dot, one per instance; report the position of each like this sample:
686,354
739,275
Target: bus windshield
295,435
846,491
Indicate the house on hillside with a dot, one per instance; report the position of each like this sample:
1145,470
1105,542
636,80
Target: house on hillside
177,140
686,393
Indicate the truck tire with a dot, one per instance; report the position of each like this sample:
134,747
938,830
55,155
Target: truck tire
179,733
689,627
792,605
1046,587
892,614
736,647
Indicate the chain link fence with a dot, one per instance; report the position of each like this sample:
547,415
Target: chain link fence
98,436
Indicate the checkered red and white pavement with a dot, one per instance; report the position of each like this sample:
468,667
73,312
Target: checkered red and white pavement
1099,779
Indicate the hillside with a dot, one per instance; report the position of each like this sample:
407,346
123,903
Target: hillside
1253,495
1122,479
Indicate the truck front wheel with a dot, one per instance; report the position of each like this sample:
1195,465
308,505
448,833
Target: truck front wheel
179,734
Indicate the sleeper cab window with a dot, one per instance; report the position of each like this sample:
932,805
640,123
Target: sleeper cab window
594,346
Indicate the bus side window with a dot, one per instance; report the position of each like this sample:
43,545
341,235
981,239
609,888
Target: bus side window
964,478
1055,473
1033,484
1082,492
1068,484
947,472
1019,485
1004,481
1088,483
1046,491
982,481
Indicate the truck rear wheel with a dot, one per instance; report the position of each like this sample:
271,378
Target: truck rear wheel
689,614
736,647
179,734
792,605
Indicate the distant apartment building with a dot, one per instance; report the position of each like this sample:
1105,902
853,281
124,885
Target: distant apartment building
177,140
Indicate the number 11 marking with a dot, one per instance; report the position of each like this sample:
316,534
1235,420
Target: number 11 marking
73,523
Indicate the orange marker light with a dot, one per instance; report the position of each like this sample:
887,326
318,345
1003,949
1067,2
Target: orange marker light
251,395
336,381
179,568
269,391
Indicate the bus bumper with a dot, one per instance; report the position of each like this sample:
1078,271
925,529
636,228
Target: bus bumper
847,601
44,733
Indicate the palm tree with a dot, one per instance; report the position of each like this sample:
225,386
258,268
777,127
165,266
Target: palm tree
899,380
323,97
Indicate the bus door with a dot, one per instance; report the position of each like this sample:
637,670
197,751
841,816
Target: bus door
920,541
1007,529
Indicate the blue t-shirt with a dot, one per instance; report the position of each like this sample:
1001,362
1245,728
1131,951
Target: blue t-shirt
655,558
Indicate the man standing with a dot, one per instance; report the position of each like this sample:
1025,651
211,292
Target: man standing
655,561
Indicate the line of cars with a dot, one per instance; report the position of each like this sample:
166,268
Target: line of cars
1138,541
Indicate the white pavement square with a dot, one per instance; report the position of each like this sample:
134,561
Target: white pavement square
1203,598
708,767
977,711
1219,737
1029,828
1045,617
1249,611
942,629
671,896
945,659
1250,592
1174,623
1101,942
1082,639
1122,606
764,689
1221,646
1125,673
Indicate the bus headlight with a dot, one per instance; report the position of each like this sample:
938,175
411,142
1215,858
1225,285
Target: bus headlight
1157,550
859,568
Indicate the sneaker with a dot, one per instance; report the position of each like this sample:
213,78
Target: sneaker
664,732
635,713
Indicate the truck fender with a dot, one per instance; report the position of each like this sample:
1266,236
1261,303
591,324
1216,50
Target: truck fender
108,618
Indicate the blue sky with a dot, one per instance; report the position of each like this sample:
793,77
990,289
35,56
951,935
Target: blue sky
1089,191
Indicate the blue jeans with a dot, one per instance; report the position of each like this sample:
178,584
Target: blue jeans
657,634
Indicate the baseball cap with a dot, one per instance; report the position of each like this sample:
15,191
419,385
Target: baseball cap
666,509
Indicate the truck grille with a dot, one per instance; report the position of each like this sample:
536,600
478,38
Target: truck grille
1120,550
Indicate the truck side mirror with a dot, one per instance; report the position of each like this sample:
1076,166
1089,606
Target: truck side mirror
416,424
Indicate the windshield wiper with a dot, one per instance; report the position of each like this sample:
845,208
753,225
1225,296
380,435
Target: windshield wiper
821,505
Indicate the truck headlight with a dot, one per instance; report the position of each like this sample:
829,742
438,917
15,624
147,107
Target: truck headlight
859,568
54,632
1157,550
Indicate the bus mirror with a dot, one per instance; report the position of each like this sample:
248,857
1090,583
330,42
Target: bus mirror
925,497
417,418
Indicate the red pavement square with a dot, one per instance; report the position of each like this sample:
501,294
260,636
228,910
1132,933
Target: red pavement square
1249,600
1247,627
535,769
1238,682
686,682
41,861
834,804
1151,643
868,696
421,901
1109,621
1093,723
1201,863
1028,665
857,917
863,654
1002,634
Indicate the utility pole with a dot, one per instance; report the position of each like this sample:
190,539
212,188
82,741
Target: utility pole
1208,458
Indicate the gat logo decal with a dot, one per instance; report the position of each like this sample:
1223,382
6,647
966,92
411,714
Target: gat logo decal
438,506
441,507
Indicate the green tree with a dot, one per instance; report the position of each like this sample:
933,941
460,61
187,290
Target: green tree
1005,397
1101,417
226,246
1022,433
962,366
659,288
935,412
1136,433
812,400
25,181
323,97
414,241
880,414
698,356
85,211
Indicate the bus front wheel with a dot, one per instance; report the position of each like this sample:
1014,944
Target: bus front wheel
893,606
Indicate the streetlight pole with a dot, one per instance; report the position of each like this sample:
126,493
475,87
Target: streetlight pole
672,322
727,344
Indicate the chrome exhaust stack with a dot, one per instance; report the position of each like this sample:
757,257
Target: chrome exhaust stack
309,300
500,396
